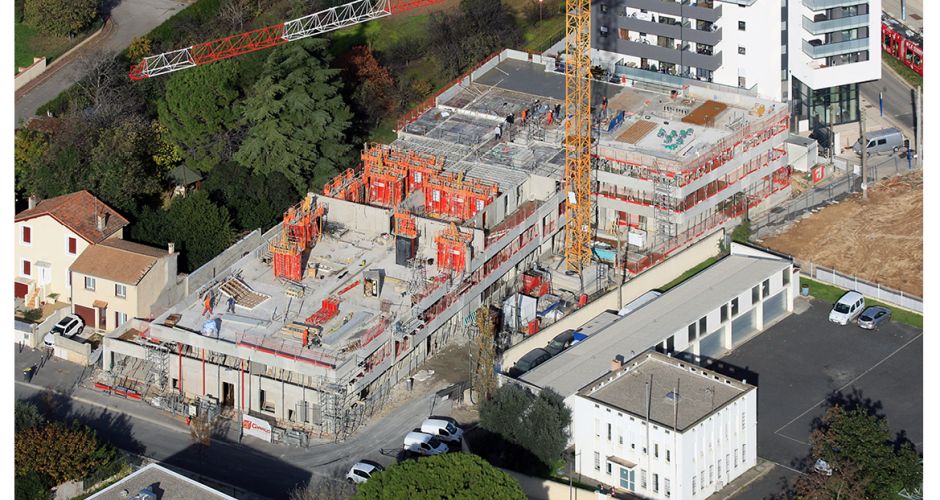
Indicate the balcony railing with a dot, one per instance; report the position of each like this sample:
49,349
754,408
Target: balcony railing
830,25
834,49
828,4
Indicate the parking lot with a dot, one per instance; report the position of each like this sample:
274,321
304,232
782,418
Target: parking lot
804,361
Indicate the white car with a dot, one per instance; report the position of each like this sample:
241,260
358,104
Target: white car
362,471
67,327
848,308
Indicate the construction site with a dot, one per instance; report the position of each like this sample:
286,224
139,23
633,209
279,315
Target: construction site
365,280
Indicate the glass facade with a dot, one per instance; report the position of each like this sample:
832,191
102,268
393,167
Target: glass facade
823,107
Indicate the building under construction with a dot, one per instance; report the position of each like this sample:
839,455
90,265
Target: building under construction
364,280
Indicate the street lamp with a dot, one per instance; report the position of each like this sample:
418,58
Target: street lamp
540,9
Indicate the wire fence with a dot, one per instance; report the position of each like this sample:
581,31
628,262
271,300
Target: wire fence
866,288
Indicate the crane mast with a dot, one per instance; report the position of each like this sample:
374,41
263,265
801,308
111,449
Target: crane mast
578,134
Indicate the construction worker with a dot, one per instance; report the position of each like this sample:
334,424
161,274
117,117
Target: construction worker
550,116
207,305
28,373
306,336
604,106
525,113
499,132
231,304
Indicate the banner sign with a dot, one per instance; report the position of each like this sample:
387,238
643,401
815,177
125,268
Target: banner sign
256,427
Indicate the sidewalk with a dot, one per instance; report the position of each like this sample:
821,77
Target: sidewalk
753,474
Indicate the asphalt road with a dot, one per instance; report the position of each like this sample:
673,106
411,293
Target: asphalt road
131,18
804,362
262,468
898,102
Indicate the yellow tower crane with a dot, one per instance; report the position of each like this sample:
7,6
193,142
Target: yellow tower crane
578,134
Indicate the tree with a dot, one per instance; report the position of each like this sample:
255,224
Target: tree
139,48
538,424
324,488
476,31
62,453
374,96
254,200
485,377
31,486
297,117
60,17
120,169
453,475
234,13
199,228
199,112
29,150
866,462
26,415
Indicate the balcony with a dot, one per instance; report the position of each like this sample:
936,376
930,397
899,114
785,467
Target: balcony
829,4
819,50
672,55
823,25
680,9
680,32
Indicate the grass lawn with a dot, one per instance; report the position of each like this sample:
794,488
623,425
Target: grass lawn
831,294
381,34
542,35
905,72
28,43
688,274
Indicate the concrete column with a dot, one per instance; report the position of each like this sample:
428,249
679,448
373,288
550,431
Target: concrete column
726,341
790,297
759,315
107,359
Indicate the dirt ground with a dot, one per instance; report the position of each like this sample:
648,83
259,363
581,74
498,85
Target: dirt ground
880,241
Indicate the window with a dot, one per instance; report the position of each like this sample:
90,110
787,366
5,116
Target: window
882,142
656,450
27,268
719,469
623,34
742,26
742,82
597,427
743,419
765,288
755,294
703,325
743,452
727,463
693,484
692,333
620,439
120,290
734,307
26,235
711,474
643,478
735,458
666,485
608,468
742,50
724,313
609,432
604,30
597,460
265,404
655,483
668,456
119,318
72,246
786,276
702,477
627,479
89,283
604,8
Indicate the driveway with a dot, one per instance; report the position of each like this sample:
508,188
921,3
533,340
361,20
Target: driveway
131,18
804,360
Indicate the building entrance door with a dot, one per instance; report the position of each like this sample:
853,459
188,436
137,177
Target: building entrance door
228,394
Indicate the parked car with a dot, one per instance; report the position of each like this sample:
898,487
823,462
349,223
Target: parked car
822,467
873,317
424,444
443,429
362,471
848,307
69,326
49,340
532,359
881,141
561,342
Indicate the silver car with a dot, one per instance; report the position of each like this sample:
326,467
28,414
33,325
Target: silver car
873,316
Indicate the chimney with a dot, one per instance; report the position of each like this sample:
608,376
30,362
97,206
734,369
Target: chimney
33,201
170,247
102,221
616,363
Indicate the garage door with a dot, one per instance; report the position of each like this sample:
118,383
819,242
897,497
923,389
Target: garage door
710,346
775,307
87,314
742,327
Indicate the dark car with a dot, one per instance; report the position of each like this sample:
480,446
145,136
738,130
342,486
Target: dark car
532,359
561,342
874,316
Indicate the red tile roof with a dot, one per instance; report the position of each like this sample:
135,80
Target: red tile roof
118,260
77,211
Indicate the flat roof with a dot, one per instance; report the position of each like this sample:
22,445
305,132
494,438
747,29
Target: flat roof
681,394
168,485
461,126
574,368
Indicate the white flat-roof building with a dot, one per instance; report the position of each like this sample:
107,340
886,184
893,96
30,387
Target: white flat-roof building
659,427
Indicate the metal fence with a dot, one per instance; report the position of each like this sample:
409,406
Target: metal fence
866,288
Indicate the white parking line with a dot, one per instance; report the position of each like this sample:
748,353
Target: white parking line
850,382
791,439
785,467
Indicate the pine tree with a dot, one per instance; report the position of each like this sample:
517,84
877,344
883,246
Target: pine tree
297,117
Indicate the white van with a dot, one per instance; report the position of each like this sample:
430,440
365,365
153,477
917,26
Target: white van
847,308
444,430
424,444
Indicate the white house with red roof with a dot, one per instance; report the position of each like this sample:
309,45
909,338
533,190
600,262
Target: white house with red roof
49,237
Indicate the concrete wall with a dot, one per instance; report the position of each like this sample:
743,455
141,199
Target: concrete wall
651,279
210,270
70,350
761,64
29,73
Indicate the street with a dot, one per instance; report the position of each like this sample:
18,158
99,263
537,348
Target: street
898,103
256,466
131,18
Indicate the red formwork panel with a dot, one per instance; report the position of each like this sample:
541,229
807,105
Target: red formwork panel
451,257
385,191
287,265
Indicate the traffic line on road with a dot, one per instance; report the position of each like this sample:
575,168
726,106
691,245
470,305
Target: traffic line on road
850,382
791,439
786,467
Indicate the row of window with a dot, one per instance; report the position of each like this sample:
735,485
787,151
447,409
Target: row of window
26,239
120,291
711,469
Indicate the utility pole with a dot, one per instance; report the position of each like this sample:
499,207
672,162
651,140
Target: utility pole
919,109
864,143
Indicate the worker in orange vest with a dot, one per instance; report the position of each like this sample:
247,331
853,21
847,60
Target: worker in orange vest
550,116
306,336
207,305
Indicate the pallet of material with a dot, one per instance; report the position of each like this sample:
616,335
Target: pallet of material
296,329
242,293
705,114
636,132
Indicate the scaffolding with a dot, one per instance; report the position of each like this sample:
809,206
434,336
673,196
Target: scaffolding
338,417
302,224
451,194
404,224
158,361
347,186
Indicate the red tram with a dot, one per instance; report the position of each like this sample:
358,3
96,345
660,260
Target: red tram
902,43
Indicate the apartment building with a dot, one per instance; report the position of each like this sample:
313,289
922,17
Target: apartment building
659,427
824,49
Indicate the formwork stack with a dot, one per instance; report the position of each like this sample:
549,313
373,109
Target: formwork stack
302,224
346,186
384,171
449,194
453,249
